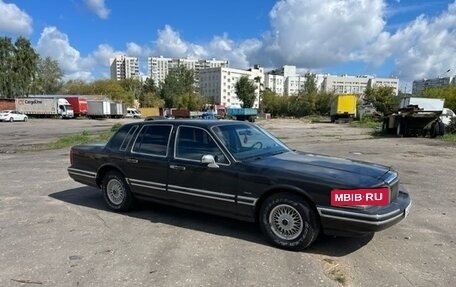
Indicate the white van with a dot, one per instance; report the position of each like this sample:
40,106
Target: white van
133,113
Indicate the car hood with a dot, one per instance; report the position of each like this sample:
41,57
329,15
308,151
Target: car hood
339,171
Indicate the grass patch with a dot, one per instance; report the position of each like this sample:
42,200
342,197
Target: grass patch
82,138
367,122
449,137
70,140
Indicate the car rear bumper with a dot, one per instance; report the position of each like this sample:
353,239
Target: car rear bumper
83,176
350,222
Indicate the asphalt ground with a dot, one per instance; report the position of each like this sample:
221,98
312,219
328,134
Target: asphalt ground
56,232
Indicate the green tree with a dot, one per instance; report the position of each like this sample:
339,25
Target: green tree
25,66
270,102
310,85
49,77
149,86
6,67
245,91
382,98
133,86
179,82
76,87
323,103
448,93
150,95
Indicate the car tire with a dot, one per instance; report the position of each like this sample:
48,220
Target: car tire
116,192
11,120
288,221
25,119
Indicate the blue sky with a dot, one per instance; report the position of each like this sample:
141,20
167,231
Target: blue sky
402,38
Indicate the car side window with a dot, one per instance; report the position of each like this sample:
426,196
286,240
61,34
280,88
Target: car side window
153,140
192,143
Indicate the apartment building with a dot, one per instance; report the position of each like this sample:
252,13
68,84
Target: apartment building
284,81
123,67
219,83
159,67
418,86
345,84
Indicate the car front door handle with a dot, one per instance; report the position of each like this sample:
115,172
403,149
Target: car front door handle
177,167
132,160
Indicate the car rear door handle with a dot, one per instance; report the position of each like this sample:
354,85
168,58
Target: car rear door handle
132,160
177,167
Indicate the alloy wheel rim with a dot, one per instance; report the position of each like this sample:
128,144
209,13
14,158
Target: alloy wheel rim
115,191
286,222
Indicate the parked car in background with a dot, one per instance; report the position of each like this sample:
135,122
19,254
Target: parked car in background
133,113
239,170
12,116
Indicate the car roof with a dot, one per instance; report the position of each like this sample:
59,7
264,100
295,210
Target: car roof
193,122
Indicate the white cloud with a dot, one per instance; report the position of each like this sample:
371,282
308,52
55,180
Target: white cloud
312,34
56,45
14,21
170,44
134,50
425,48
303,33
98,7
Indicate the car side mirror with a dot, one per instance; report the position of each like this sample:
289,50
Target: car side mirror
209,159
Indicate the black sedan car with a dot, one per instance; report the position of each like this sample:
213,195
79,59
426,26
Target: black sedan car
239,170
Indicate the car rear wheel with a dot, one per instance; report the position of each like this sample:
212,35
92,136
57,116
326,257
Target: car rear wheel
25,119
288,221
11,119
116,192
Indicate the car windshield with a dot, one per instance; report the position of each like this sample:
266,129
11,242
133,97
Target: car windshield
245,141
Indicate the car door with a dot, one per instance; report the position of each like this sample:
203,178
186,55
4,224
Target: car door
194,184
146,164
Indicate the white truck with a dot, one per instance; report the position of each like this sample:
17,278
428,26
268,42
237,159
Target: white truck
45,107
417,116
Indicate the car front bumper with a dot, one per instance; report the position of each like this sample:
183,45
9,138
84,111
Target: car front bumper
352,222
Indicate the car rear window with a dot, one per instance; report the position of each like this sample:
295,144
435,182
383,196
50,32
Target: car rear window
153,140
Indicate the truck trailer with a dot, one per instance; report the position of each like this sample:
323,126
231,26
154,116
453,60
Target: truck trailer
45,107
79,105
416,116
242,114
98,109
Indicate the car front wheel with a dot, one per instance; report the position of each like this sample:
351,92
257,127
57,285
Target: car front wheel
116,192
288,221
11,119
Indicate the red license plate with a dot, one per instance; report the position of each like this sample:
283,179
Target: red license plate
367,196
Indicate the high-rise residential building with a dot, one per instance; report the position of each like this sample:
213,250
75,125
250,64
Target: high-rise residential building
219,83
123,67
158,67
419,86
